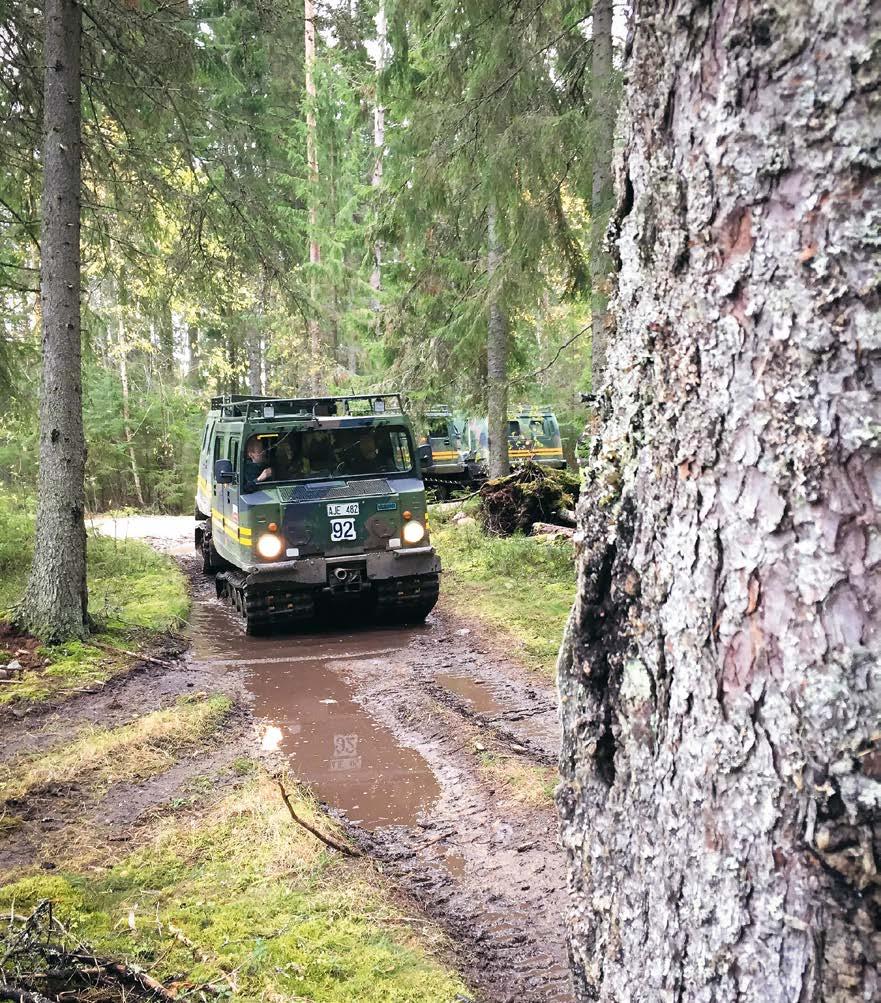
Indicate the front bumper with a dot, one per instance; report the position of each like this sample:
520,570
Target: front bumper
378,565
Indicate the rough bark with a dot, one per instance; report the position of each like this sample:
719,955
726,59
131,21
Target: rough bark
496,356
719,679
603,128
54,605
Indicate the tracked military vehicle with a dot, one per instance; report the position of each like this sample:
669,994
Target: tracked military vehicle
309,501
450,465
533,434
459,446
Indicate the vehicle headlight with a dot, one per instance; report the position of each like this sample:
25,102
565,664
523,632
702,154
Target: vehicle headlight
269,546
413,531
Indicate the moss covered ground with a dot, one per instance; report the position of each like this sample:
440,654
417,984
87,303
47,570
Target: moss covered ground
235,897
134,594
519,587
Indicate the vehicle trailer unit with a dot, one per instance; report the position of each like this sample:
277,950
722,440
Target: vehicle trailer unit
303,502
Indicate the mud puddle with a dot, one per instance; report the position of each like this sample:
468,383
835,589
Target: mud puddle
476,692
305,710
361,717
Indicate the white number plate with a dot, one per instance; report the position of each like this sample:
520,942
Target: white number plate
344,508
342,529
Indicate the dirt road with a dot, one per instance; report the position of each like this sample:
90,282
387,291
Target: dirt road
435,752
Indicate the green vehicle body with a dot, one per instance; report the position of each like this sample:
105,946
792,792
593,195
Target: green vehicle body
344,482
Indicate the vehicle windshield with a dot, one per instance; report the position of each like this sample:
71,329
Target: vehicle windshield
314,454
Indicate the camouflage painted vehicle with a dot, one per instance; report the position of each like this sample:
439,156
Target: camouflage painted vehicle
303,501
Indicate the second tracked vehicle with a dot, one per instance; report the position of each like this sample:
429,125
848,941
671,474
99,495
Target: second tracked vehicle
303,502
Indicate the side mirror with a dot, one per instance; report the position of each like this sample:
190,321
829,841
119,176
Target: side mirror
223,472
424,452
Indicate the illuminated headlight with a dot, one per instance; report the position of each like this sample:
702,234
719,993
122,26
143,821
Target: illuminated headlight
269,546
413,531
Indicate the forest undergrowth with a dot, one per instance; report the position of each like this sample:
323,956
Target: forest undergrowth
520,587
135,597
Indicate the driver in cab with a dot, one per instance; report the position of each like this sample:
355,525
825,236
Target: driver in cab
257,466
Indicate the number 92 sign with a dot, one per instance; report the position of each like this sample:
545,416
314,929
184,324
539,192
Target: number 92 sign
342,529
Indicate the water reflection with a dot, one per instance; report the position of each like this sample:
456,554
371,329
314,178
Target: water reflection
300,693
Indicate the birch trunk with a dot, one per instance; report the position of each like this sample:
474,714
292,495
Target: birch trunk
378,147
603,121
719,679
55,602
496,356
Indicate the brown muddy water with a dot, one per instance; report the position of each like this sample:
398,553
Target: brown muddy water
305,709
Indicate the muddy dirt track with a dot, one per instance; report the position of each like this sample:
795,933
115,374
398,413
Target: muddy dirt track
409,737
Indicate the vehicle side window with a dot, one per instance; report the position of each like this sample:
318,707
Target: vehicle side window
218,445
401,450
232,453
208,427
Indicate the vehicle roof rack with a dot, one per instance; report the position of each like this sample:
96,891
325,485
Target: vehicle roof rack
244,406
527,409
439,411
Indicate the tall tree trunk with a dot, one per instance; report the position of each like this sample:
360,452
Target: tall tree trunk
165,323
315,347
55,603
255,374
192,354
122,349
721,805
378,148
496,355
603,107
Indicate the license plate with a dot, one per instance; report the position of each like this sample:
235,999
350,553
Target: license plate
342,529
344,508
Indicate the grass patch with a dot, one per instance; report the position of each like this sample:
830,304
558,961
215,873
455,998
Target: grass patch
516,585
135,751
240,898
526,783
134,593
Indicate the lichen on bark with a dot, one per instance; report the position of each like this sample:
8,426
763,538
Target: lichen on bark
719,679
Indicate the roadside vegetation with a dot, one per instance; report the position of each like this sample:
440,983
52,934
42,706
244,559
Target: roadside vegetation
234,897
135,594
518,586
136,751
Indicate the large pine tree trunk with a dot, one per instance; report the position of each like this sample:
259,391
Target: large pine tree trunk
54,605
603,128
496,356
721,804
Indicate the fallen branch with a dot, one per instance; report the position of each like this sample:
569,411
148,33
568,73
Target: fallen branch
21,995
347,850
550,529
121,972
131,654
